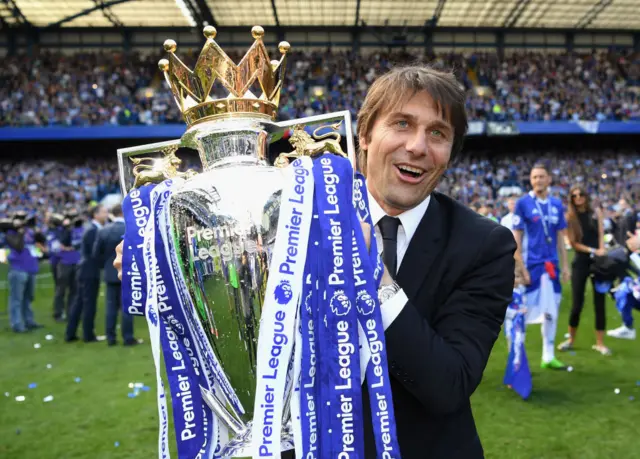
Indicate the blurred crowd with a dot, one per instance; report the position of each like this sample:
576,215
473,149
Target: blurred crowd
124,89
484,182
44,187
478,179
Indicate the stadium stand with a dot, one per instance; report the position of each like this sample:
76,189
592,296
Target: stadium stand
89,89
546,81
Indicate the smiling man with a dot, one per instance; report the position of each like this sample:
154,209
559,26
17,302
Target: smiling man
449,271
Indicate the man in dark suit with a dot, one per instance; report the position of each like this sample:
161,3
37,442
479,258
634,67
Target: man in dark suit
88,279
449,271
104,251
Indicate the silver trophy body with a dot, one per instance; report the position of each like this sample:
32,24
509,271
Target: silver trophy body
224,222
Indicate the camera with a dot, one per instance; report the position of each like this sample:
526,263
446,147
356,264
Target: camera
17,220
22,218
73,219
6,224
55,220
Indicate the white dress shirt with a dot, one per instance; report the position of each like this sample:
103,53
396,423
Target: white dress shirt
409,220
507,221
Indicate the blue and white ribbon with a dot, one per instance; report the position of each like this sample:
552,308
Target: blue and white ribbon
282,298
377,373
155,326
305,401
340,394
136,210
171,332
361,204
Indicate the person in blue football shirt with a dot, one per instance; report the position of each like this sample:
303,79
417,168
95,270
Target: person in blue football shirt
539,228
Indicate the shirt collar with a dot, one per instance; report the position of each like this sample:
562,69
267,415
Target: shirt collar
97,223
410,219
541,201
118,219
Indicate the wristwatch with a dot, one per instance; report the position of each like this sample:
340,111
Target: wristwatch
386,292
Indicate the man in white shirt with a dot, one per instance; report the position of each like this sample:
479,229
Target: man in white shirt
449,271
507,220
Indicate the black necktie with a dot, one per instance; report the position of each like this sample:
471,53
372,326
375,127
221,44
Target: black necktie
389,231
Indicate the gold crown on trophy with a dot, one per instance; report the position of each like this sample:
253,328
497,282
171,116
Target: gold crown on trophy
192,89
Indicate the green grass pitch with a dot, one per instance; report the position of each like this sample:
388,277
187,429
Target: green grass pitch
573,415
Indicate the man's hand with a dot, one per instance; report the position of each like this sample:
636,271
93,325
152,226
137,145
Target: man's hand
633,243
522,272
117,263
601,252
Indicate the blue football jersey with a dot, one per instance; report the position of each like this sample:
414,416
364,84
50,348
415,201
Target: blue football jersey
531,216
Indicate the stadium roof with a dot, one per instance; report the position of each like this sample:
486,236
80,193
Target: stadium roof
567,14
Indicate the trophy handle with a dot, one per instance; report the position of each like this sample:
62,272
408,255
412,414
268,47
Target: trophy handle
159,163
307,141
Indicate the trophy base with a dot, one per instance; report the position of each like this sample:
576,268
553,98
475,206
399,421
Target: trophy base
239,447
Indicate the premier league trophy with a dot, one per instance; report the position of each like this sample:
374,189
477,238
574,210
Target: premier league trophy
208,274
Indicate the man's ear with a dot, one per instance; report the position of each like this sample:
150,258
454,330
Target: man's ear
362,141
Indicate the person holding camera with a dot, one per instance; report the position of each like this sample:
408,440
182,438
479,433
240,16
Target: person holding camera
66,285
586,236
23,243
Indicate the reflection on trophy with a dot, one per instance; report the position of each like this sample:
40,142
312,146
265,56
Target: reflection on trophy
224,220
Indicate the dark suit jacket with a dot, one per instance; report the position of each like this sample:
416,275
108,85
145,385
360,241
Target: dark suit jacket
104,249
624,224
458,273
89,267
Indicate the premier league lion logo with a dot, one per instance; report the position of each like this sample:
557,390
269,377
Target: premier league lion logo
340,304
283,292
307,302
153,317
177,326
365,303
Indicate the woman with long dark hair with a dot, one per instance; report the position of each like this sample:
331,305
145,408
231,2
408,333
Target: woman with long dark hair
586,236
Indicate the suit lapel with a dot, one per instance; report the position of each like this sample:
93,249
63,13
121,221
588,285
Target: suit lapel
425,245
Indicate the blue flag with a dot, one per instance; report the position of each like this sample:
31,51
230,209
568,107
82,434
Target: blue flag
517,374
627,296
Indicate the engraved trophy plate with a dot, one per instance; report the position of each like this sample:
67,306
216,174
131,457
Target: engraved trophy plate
224,219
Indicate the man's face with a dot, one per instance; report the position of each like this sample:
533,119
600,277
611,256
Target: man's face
102,215
622,205
408,150
511,205
540,180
